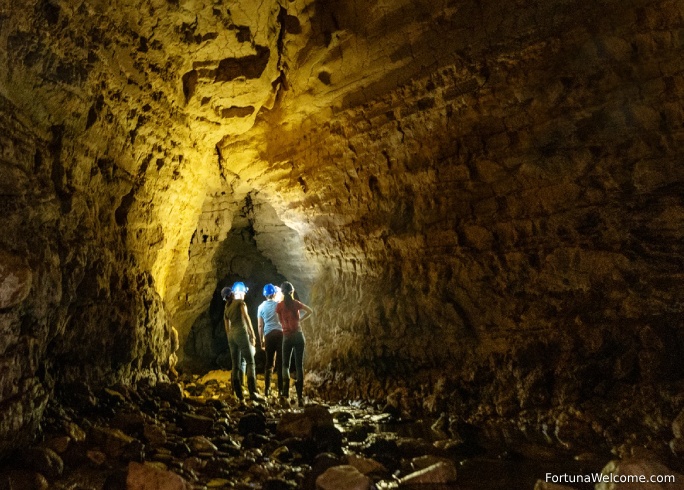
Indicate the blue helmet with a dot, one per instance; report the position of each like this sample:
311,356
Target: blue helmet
239,287
225,292
269,290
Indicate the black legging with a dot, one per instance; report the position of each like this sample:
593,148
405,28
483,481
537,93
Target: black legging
293,343
274,351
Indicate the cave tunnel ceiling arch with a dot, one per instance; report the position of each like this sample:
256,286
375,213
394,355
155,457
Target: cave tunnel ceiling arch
481,201
258,249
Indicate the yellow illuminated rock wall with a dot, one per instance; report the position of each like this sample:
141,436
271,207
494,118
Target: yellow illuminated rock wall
481,201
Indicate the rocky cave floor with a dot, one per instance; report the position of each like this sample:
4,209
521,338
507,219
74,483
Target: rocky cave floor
194,434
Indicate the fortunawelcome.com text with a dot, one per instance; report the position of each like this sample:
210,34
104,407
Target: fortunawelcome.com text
608,478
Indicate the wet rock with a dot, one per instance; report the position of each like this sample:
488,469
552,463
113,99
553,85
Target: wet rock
23,480
321,463
169,392
42,460
411,447
259,471
179,449
253,422
618,470
112,397
678,425
302,425
575,431
327,439
112,441
228,445
366,466
282,454
208,411
396,403
342,416
219,466
218,483
196,425
194,464
135,451
423,462
254,440
150,405
223,425
200,444
147,477
677,446
438,473
154,435
359,433
16,279
97,458
162,455
58,444
129,422
315,425
441,426
116,481
344,477
80,397
384,450
299,448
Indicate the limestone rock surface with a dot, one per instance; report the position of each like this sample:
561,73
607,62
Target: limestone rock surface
482,202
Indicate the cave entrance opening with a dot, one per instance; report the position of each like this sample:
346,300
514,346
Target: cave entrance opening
258,249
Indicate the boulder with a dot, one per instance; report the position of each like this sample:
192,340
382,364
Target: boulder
639,474
438,473
148,477
344,477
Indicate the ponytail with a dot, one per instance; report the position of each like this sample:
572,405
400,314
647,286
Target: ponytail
288,293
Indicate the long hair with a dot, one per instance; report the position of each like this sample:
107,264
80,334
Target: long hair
288,293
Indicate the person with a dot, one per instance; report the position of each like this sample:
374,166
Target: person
293,338
271,335
173,357
241,339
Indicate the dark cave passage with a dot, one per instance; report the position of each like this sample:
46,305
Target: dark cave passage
481,202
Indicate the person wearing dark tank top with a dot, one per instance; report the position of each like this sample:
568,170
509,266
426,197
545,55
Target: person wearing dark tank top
241,339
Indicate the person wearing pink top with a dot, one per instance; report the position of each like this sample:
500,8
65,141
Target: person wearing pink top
293,338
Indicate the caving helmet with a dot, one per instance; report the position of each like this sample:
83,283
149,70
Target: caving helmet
269,290
239,287
225,292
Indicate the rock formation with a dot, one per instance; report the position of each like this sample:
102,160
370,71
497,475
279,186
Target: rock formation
481,201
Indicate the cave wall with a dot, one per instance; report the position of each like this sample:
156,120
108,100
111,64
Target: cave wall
105,164
75,306
481,201
508,217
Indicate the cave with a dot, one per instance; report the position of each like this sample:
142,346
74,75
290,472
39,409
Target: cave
482,202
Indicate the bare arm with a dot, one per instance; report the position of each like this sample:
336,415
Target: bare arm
261,330
248,323
308,312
